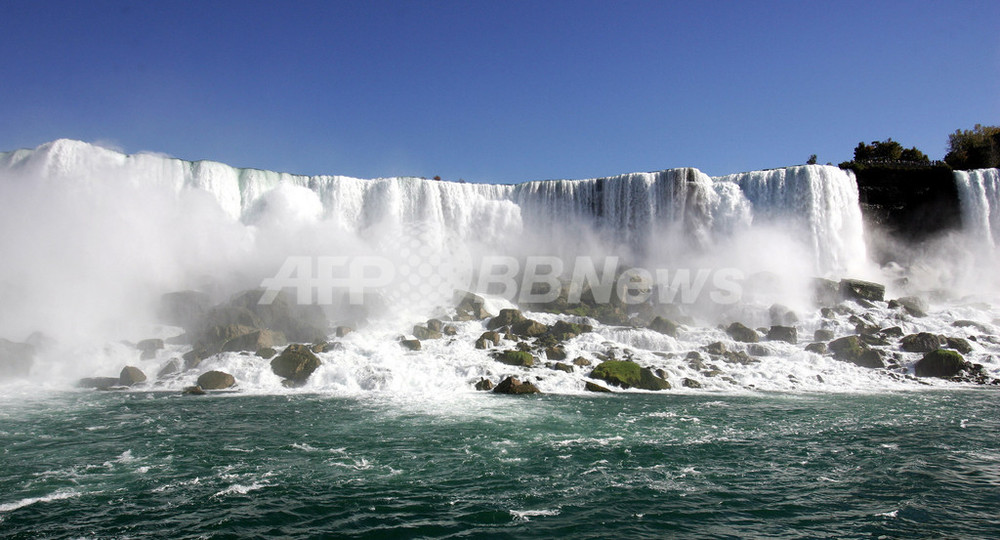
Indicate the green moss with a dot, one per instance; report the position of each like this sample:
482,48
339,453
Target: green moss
516,358
628,374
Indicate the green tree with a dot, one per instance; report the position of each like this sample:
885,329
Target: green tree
812,160
888,151
978,148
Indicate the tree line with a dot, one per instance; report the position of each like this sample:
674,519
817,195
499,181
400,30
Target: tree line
978,148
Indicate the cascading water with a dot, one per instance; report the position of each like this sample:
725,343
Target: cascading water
979,195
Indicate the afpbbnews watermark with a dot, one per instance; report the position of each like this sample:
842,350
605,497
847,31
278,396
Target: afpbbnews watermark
526,280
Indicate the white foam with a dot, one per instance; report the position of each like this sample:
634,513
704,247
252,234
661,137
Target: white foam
56,496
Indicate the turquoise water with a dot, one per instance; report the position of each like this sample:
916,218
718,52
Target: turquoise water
128,465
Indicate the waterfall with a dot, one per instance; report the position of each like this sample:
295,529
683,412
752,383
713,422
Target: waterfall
979,196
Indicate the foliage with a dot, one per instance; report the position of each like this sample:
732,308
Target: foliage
888,151
812,160
978,148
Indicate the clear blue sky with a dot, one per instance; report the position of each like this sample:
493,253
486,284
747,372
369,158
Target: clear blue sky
498,91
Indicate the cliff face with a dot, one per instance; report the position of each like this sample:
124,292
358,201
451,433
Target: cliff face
911,204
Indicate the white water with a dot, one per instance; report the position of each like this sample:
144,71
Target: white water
93,237
979,195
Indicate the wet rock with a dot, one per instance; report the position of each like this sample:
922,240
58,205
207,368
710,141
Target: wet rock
469,306
913,305
787,334
131,375
170,368
825,292
690,383
296,363
184,308
253,341
216,380
563,331
560,366
823,334
958,344
491,337
528,328
98,383
193,391
716,348
941,363
891,332
435,325
628,374
594,387
422,333
450,330
511,385
756,349
818,347
411,344
342,331
484,385
194,357
739,332
856,289
556,353
581,361
848,348
663,326
980,327
738,357
507,317
149,348
515,358
782,315
922,342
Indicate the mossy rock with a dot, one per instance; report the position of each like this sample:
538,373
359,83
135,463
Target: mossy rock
848,348
628,374
922,342
510,385
941,363
528,328
594,387
295,363
506,317
515,358
856,289
663,326
740,332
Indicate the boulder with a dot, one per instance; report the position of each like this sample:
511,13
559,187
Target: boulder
528,328
131,375
560,366
301,323
911,304
411,344
663,326
515,358
717,347
782,315
16,359
563,330
787,334
690,383
212,340
980,327
423,332
825,292
149,348
171,367
941,363
922,342
193,391
507,317
856,289
296,363
847,349
215,380
557,352
594,387
959,344
254,341
628,374
266,353
450,330
739,332
581,361
484,385
435,325
510,385
194,357
818,347
342,331
822,334
469,306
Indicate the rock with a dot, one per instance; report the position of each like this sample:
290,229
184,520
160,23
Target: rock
297,322
321,347
450,330
663,326
739,332
787,334
922,342
510,385
184,308
823,334
266,353
254,341
435,325
484,385
958,344
215,380
483,344
171,367
690,383
149,348
16,359
891,332
825,292
847,349
870,358
422,333
559,366
716,348
99,383
818,348
412,344
193,391
296,363
855,289
594,387
491,337
528,328
556,353
515,358
524,346
913,305
782,315
941,363
756,349
342,331
194,357
563,331
581,361
131,375
469,306
980,327
628,374
738,357
507,317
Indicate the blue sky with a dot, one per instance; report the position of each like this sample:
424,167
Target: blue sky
498,91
